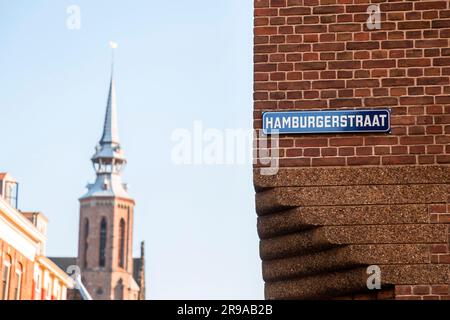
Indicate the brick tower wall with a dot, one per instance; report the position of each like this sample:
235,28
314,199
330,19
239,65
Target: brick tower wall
342,202
102,281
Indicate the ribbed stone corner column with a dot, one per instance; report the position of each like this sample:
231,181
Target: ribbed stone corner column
320,229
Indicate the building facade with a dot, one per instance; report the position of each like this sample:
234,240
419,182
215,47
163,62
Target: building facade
108,270
341,204
26,274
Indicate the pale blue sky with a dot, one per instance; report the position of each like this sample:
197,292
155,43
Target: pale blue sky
178,61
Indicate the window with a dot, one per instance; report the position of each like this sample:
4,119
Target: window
18,286
48,289
122,243
102,249
86,234
6,275
37,286
11,192
56,290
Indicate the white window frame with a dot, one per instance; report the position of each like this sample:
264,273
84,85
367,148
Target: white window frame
38,286
19,276
5,289
48,290
56,289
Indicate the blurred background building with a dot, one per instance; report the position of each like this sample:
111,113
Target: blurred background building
26,273
105,257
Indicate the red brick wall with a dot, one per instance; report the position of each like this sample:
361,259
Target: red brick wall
318,54
27,276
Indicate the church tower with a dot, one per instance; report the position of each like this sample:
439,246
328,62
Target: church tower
106,220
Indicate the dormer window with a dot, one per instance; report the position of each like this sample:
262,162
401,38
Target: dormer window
9,189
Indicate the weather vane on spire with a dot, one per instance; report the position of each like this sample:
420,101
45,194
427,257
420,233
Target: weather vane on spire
113,46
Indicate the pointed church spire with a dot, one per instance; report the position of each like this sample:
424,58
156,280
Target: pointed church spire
109,159
110,130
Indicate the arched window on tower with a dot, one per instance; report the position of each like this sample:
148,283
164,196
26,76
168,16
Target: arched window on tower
122,243
86,245
102,249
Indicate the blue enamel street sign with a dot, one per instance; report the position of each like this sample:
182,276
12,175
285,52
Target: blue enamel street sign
327,121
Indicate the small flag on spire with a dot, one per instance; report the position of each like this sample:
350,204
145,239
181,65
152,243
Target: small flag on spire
113,44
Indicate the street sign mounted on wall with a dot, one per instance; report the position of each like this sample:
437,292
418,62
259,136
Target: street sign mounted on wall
327,121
